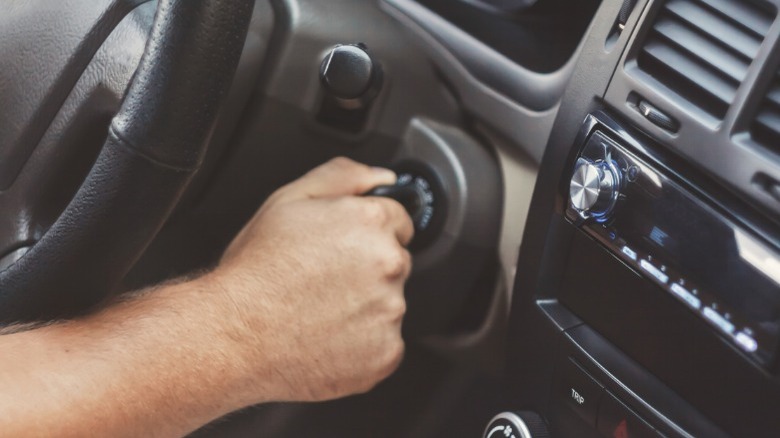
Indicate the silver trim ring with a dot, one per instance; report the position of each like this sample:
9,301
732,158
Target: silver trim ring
514,419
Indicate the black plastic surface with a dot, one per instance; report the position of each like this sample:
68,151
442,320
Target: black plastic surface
577,391
420,191
640,390
716,267
666,365
617,420
347,71
657,117
682,351
681,385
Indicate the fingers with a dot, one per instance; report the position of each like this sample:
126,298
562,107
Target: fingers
404,229
339,177
389,214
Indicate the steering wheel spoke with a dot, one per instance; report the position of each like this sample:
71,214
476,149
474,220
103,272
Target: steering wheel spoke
72,231
72,141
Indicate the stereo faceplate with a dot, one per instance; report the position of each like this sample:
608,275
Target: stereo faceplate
720,270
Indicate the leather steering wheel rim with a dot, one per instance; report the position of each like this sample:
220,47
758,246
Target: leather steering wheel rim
155,144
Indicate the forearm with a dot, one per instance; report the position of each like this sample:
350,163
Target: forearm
159,364
305,305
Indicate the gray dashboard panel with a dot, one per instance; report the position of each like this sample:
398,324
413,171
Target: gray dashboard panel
723,148
535,91
311,28
518,103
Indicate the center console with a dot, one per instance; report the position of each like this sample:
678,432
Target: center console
720,265
647,300
657,303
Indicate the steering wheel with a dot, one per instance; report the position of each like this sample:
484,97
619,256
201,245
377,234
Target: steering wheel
154,145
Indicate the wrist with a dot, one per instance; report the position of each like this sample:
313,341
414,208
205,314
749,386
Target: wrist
237,330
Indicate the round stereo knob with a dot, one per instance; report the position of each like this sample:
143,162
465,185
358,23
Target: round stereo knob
517,425
594,188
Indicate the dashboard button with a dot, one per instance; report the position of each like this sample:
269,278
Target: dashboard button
655,272
718,319
630,253
618,421
579,392
594,188
746,342
686,296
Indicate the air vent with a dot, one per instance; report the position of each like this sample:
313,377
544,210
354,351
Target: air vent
701,49
765,129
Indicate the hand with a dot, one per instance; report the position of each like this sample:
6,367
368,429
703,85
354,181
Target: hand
317,278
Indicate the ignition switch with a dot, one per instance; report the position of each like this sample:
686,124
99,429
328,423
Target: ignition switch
420,193
451,186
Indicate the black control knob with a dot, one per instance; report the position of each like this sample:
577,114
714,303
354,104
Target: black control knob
420,193
594,188
517,425
350,75
415,194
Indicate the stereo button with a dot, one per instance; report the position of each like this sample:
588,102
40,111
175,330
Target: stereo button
629,252
746,342
718,319
579,392
655,272
686,296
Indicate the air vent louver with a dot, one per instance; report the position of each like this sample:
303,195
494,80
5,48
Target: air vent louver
766,126
701,49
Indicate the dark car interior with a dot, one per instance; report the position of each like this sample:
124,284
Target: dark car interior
595,188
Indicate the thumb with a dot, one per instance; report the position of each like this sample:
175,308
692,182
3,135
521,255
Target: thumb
340,177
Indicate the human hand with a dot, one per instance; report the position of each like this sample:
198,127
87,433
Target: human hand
316,280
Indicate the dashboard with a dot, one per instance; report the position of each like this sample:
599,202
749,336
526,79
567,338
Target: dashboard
648,280
606,175
653,303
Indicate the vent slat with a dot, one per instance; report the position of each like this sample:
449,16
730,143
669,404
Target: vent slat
769,120
701,48
716,27
744,14
766,129
685,67
773,97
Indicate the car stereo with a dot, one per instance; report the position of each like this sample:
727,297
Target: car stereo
723,270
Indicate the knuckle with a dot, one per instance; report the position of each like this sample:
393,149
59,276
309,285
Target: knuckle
396,211
395,354
341,163
397,305
373,211
396,263
407,262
